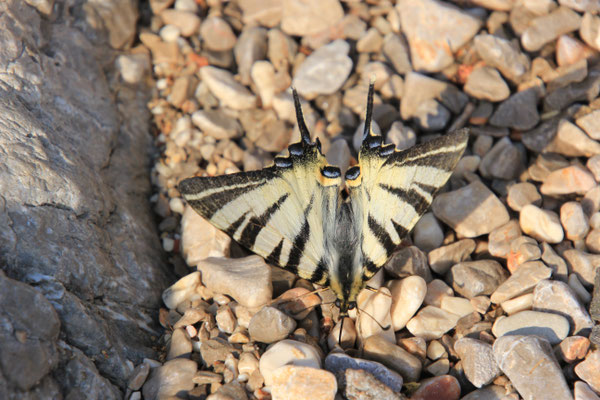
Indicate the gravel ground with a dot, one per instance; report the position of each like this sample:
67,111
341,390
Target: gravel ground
493,295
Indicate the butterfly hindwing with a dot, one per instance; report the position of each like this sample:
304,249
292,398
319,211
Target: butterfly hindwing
393,189
280,212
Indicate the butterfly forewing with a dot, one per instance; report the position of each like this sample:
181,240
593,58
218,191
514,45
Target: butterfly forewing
279,212
396,189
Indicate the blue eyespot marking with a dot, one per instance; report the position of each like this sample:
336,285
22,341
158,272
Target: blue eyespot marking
283,162
352,173
331,172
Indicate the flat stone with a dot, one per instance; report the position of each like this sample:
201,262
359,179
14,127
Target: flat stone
288,352
557,297
362,385
310,17
293,382
587,90
478,361
574,179
573,348
571,141
247,280
407,296
517,304
457,305
216,350
475,278
471,211
339,363
500,53
574,220
499,239
421,88
225,88
184,289
503,161
396,51
436,291
552,327
217,124
432,322
520,358
170,379
588,370
582,264
485,83
187,22
584,392
250,47
409,261
523,193
442,258
324,71
138,376
519,111
491,392
439,387
261,12
370,42
217,34
522,249
543,225
429,26
547,28
427,233
270,325
525,278
570,50
590,26
379,348
180,345
263,76
590,123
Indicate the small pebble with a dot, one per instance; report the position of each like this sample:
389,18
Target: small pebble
182,290
588,370
427,233
169,379
499,239
520,303
270,325
288,352
432,322
471,211
442,258
247,280
338,363
475,278
478,361
293,382
440,387
552,327
485,83
436,290
362,385
521,194
570,180
379,348
543,225
529,363
223,86
573,348
200,239
407,296
525,278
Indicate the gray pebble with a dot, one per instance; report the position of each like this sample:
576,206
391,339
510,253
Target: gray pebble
502,54
519,111
324,71
499,239
557,297
362,385
503,161
395,50
270,325
379,348
521,281
485,83
552,327
171,379
251,46
474,278
442,258
478,361
523,193
548,27
338,363
409,261
521,357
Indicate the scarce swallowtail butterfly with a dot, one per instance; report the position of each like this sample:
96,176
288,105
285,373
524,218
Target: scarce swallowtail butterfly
294,215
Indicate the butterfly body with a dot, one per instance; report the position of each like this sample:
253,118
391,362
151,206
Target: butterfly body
294,215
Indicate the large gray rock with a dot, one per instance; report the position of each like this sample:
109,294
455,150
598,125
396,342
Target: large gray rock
77,228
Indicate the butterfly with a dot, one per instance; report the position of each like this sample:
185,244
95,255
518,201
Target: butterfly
294,213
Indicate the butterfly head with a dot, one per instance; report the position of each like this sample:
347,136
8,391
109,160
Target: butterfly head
345,306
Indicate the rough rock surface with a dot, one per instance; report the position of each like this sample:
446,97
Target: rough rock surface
78,237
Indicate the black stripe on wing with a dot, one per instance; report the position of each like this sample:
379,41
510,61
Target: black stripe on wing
419,202
257,223
382,235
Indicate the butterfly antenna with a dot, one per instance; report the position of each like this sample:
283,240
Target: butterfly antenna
369,115
301,124
385,328
372,289
341,330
